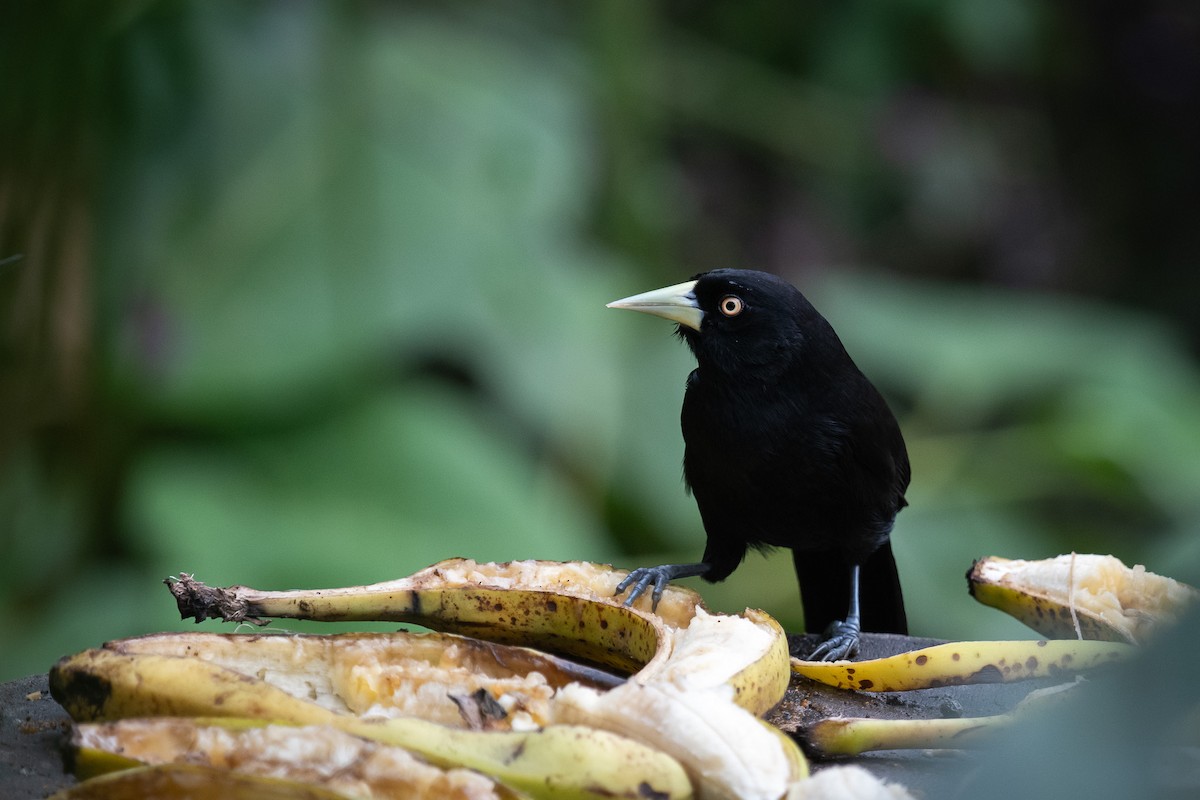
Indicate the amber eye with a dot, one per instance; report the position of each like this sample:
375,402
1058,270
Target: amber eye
731,305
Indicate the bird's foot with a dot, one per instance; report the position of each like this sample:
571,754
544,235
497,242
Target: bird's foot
642,579
841,642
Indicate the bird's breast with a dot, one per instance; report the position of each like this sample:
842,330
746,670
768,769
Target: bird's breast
772,467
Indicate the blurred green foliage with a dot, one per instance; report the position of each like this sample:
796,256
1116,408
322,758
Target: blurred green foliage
313,293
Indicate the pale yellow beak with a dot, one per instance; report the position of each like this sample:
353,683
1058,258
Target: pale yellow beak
676,303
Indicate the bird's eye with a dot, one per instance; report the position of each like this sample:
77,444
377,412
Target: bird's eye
731,305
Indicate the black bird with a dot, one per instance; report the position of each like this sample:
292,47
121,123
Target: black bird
786,444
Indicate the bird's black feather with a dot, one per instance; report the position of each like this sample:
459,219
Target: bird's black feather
787,444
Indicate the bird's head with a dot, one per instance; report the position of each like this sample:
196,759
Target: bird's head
735,319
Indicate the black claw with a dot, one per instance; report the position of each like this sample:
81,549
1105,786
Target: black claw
641,578
841,643
635,592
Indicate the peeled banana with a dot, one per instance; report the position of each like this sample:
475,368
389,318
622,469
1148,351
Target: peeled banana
959,663
1080,596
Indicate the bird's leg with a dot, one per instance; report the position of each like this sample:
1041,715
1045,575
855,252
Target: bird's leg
658,577
841,638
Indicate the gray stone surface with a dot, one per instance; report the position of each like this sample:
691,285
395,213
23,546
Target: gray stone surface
32,730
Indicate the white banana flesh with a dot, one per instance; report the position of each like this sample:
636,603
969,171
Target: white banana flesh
684,705
1080,595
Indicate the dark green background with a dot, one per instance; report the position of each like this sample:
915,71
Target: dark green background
311,294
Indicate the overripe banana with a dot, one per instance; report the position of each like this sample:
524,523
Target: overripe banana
959,663
563,607
313,755
724,663
566,608
700,678
556,761
388,674
192,782
1080,596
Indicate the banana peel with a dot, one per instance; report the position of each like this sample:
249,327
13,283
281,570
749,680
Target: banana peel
566,608
388,674
691,669
960,663
698,681
192,782
1081,596
314,756
1096,606
555,761
727,665
851,736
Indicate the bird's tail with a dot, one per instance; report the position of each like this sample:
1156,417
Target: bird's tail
825,591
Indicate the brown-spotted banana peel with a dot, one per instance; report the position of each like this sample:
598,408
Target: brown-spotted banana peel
1080,596
566,608
387,674
690,666
569,608
313,755
556,761
959,663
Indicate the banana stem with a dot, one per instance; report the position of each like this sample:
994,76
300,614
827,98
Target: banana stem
393,601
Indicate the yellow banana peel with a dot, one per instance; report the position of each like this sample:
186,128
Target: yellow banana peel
562,607
567,608
1080,596
959,663
192,782
684,723
313,755
387,674
691,669
851,736
556,761
729,665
